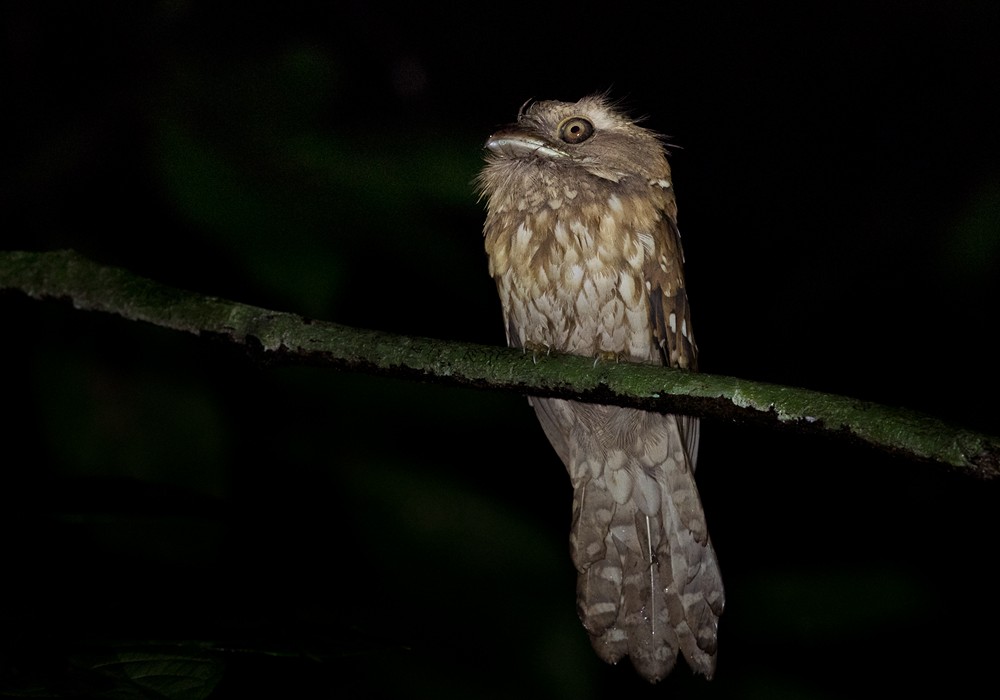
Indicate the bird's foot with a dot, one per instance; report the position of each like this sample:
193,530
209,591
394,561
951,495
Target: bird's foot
608,356
536,349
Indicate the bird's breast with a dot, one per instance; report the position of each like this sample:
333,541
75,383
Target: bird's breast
570,277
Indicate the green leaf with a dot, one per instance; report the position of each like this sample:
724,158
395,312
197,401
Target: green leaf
158,673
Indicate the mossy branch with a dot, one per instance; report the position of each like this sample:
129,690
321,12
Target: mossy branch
290,338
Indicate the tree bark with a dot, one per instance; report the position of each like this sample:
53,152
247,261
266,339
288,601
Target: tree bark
279,337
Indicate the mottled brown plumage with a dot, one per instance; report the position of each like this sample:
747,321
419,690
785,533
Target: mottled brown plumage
583,245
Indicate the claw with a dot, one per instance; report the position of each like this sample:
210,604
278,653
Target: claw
607,356
535,348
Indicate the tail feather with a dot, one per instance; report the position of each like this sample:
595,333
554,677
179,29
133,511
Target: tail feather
649,584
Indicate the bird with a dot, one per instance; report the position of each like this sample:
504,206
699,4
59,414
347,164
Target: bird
582,241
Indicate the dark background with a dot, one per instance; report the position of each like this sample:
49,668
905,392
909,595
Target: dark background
838,175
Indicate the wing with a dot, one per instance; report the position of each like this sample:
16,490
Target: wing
669,315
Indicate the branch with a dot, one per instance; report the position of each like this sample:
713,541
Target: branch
289,338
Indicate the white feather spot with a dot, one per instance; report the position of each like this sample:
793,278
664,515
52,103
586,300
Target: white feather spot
573,275
647,494
583,237
601,608
673,322
561,234
647,241
619,483
523,235
627,290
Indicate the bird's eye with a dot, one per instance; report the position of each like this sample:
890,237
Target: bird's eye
575,130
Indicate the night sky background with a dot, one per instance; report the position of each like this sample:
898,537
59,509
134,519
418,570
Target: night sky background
302,532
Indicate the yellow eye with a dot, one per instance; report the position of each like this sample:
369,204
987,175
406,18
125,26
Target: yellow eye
575,130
